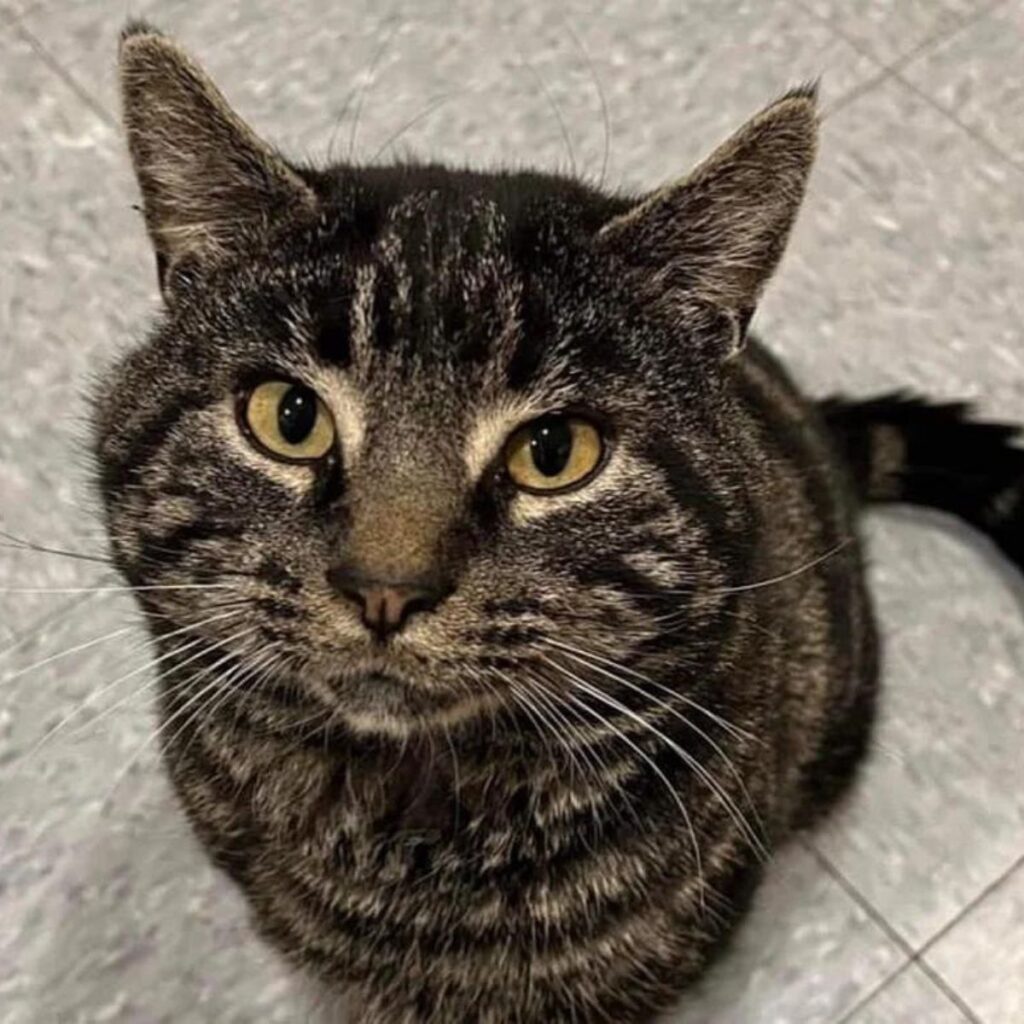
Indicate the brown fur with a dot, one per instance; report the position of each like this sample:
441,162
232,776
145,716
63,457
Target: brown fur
548,796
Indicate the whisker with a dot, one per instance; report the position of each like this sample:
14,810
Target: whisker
729,727
771,581
533,688
637,749
555,109
538,692
165,725
434,104
602,98
583,749
260,667
39,625
67,653
583,754
368,81
151,663
126,589
754,837
527,707
750,835
456,780
20,544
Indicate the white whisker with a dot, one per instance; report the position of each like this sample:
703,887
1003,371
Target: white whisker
755,836
68,652
165,725
116,590
592,691
96,694
728,726
782,577
755,841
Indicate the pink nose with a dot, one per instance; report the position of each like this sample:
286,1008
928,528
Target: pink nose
385,607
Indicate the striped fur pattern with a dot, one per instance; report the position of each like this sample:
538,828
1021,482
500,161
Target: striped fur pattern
548,798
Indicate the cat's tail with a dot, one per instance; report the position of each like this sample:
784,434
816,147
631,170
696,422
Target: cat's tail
905,449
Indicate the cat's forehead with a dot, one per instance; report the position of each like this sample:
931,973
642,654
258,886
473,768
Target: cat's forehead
438,284
430,225
436,310
436,328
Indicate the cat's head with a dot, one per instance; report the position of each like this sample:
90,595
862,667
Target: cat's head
417,442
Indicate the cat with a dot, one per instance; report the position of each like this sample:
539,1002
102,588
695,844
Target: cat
508,598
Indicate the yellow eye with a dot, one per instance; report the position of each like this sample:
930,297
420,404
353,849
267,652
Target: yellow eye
553,453
288,421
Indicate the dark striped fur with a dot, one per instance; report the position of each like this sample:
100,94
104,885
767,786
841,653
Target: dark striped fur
550,797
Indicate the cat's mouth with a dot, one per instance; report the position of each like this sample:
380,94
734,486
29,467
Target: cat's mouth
375,700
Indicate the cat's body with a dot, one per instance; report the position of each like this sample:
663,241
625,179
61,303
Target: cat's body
538,780
491,874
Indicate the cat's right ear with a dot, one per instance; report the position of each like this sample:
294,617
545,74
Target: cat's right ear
203,173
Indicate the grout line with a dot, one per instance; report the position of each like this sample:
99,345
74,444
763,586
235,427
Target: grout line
895,937
14,21
861,89
38,624
893,67
929,972
875,915
969,906
947,990
849,1015
893,71
915,957
950,115
862,901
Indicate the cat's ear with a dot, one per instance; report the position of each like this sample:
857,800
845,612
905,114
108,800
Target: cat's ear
202,171
717,235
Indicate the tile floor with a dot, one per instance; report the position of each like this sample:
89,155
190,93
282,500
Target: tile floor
905,269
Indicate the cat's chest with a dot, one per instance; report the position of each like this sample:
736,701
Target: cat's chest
375,801
462,848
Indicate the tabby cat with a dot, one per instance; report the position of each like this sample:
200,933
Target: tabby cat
508,599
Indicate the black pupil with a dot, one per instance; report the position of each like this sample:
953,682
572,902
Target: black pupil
551,445
296,414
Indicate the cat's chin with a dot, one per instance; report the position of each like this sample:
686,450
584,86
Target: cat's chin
383,703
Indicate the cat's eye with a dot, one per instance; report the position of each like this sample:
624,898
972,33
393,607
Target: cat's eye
554,453
288,421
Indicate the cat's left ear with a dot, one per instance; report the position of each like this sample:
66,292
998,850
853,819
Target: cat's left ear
717,235
205,176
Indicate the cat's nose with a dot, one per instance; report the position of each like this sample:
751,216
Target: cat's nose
386,606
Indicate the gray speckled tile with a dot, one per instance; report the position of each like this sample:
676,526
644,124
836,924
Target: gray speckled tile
108,909
904,273
939,812
982,956
668,70
74,282
911,996
904,267
891,29
807,953
976,76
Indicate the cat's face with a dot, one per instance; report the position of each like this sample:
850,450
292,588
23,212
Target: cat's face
418,444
